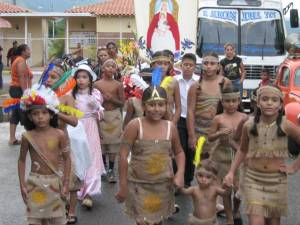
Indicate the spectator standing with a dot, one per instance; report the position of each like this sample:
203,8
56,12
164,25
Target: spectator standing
233,67
21,78
265,77
11,54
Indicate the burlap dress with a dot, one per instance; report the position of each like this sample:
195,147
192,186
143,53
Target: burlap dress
205,103
266,193
150,195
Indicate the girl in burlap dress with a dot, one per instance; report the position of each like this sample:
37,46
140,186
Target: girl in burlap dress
147,182
221,132
264,144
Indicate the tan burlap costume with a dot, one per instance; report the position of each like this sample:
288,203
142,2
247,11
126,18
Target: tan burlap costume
44,192
266,193
111,131
192,220
44,199
150,195
205,103
222,154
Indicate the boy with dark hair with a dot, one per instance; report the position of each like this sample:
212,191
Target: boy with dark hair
185,80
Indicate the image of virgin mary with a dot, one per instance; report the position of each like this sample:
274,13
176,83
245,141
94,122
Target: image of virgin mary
163,31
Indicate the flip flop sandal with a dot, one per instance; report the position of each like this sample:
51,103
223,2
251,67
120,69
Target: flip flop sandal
72,219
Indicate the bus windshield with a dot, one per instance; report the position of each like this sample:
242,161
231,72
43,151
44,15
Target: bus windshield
215,28
263,34
261,31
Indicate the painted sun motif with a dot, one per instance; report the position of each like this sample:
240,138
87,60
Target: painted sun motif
52,144
39,197
156,164
152,203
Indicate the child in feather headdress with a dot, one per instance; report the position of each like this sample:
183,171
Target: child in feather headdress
55,77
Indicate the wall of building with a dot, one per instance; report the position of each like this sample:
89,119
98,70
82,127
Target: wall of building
17,32
115,29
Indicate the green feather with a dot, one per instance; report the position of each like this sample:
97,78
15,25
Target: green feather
64,77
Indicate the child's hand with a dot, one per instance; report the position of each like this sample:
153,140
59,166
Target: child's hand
192,142
225,132
228,180
24,194
121,195
178,180
288,169
107,97
65,192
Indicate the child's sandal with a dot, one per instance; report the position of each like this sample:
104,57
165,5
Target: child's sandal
72,219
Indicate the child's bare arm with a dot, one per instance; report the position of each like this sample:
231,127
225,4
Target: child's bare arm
130,134
187,191
220,191
68,119
129,113
179,156
21,167
119,102
213,133
65,150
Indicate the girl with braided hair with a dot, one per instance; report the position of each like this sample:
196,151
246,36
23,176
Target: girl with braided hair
264,144
203,99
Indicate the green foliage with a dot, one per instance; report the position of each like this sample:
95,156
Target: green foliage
56,46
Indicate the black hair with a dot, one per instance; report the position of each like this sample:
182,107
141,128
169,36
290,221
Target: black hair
225,90
148,93
280,132
209,166
21,48
75,89
29,125
162,93
213,54
265,70
169,53
111,43
190,56
166,54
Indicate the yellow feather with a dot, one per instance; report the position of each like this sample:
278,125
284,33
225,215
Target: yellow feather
199,148
165,83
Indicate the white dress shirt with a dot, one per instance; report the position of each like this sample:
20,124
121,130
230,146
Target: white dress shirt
184,86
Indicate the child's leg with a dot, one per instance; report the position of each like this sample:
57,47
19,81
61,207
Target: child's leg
256,220
73,203
228,207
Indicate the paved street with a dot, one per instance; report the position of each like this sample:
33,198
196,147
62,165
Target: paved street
106,210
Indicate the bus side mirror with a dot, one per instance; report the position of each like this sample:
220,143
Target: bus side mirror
294,18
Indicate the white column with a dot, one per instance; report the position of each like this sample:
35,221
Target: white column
26,30
67,41
120,28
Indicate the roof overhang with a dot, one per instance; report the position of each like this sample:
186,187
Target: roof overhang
46,14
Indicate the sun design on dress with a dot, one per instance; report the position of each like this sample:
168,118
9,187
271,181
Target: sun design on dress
152,203
39,197
109,128
156,164
52,144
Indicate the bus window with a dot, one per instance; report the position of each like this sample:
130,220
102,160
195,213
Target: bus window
285,78
297,77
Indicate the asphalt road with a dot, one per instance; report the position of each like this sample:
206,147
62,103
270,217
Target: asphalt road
106,210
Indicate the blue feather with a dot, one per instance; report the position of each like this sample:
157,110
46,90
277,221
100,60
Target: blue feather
11,107
45,76
156,76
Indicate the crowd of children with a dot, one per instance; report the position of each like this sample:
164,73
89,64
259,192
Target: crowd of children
152,165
